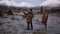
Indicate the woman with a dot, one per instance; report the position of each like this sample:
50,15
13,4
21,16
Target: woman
44,18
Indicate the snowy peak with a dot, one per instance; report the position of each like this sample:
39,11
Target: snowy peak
13,3
51,3
5,2
8,3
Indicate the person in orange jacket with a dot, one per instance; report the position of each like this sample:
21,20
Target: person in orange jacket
29,17
44,18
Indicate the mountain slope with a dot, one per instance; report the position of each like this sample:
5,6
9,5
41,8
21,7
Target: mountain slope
13,3
51,3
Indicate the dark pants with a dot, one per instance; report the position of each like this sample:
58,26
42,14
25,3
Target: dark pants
45,26
29,23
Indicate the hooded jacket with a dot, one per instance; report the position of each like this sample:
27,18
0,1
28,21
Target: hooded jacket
29,17
44,18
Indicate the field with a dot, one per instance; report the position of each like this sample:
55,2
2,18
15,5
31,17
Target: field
17,25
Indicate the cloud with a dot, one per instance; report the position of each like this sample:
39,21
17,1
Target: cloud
5,2
25,4
8,3
13,3
52,3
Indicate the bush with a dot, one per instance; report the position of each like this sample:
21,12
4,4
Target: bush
10,12
1,14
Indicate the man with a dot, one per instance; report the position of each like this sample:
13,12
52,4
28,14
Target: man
44,18
29,17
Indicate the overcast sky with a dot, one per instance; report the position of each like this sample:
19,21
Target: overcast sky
33,2
28,3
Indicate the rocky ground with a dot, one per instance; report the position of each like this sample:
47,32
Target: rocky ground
17,25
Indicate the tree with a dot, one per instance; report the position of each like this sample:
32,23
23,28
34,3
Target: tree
1,14
41,10
10,12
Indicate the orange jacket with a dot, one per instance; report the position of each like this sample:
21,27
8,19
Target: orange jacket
44,18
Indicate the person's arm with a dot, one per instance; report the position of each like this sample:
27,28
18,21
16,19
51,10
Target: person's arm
47,15
24,13
32,15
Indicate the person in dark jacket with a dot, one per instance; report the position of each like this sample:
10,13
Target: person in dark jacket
44,18
29,17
